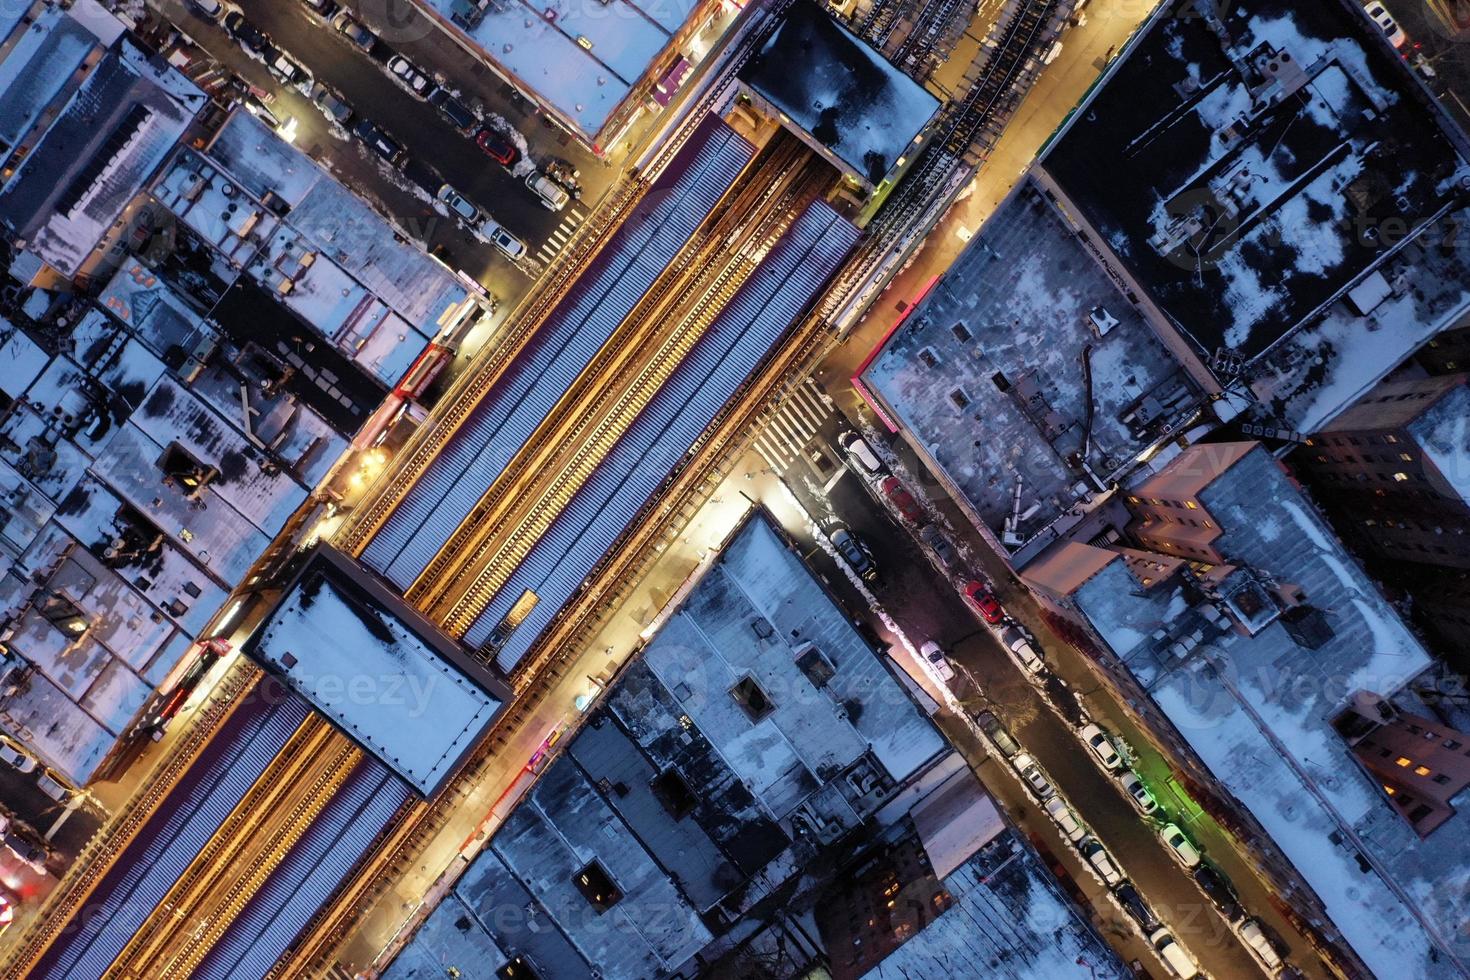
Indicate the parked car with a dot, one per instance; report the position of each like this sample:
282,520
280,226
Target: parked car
16,757
1102,862
1138,793
1031,772
499,149
1217,889
247,35
1176,959
380,142
898,495
1102,747
552,195
208,9
52,787
288,72
332,105
1179,845
512,247
1135,906
858,450
322,8
27,852
1019,644
454,110
1390,27
1065,819
854,552
264,113
943,548
354,31
1261,945
934,653
991,726
457,203
984,602
404,70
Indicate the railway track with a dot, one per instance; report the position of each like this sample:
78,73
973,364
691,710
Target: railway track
917,52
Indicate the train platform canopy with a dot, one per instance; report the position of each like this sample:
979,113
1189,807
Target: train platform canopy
382,674
840,95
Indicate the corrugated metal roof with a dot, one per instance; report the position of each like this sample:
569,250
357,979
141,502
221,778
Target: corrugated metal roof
744,332
603,297
173,837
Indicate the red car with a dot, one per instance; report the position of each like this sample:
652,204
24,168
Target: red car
500,149
985,603
908,508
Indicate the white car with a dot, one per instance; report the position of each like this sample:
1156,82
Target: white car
456,202
552,195
1102,862
860,452
934,653
1065,819
1179,962
418,83
1261,945
16,757
1021,647
52,786
1180,846
1137,792
1390,27
1102,747
1031,772
511,246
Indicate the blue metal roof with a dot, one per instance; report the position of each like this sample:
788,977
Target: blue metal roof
580,325
788,280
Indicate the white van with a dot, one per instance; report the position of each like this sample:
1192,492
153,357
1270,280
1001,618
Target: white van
1178,961
1260,944
552,195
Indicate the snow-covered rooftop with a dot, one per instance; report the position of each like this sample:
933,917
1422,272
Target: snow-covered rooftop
378,671
37,69
1258,711
1247,181
580,57
1003,374
841,91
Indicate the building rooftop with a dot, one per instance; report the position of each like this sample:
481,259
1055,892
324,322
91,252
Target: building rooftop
380,672
37,69
1256,704
1250,168
1024,362
841,91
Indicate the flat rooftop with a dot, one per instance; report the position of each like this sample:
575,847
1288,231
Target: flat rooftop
1248,176
1258,711
842,92
381,673
1005,379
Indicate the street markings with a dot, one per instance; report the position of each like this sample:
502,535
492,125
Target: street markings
787,431
553,245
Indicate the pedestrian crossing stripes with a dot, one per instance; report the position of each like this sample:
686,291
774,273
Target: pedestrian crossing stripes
786,431
563,233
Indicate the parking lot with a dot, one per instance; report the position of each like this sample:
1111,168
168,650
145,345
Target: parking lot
434,149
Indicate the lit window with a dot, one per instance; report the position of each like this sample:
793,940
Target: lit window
1310,443
1390,790
1406,457
1400,477
1421,770
1390,439
1401,762
595,885
1191,505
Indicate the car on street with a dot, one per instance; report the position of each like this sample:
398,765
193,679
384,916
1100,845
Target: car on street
858,450
1137,793
380,142
1102,862
552,195
1102,747
854,552
1391,30
208,9
1019,644
1135,906
1066,820
26,851
456,202
52,787
405,71
1031,772
1175,957
16,757
454,110
288,72
1261,945
255,41
942,547
497,147
934,653
991,726
898,495
354,31
322,8
510,246
332,105
1217,889
1179,845
984,602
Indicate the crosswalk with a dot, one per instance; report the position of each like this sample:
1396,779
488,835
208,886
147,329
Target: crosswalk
563,234
786,431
